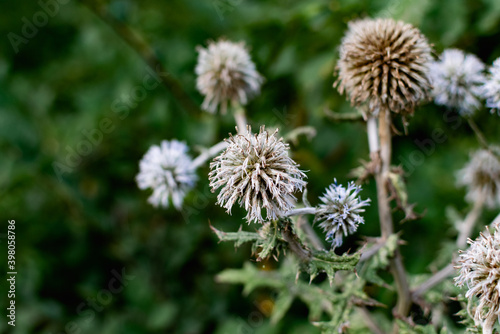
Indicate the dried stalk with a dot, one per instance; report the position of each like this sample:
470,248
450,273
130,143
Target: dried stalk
386,223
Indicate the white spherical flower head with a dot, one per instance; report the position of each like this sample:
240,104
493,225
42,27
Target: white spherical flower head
457,78
226,73
480,271
340,211
481,176
491,88
168,170
256,171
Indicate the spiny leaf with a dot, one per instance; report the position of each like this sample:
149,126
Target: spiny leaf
239,238
329,263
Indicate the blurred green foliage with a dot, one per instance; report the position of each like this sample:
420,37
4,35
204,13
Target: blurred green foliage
75,229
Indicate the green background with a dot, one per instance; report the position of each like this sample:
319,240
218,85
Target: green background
73,230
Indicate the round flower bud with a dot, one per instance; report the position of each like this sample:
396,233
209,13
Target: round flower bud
168,170
481,177
480,272
383,64
256,171
226,74
457,78
340,211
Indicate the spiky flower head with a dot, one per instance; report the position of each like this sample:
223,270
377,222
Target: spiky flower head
383,64
480,271
168,170
340,211
226,74
481,176
457,78
256,171
491,88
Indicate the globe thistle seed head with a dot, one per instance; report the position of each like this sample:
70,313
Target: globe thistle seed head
167,169
457,78
226,74
256,171
480,271
383,64
491,88
340,211
481,177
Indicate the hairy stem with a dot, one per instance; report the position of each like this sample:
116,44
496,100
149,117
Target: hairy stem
386,224
301,211
208,154
144,50
469,222
489,323
240,118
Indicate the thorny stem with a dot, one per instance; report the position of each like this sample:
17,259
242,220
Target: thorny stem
386,223
208,154
480,137
489,323
144,50
464,234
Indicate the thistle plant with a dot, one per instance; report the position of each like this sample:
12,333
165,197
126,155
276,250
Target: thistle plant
383,64
491,88
226,74
386,70
256,171
168,170
457,79
479,269
340,211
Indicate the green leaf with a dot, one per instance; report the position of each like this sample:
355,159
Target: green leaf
281,306
239,238
329,263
